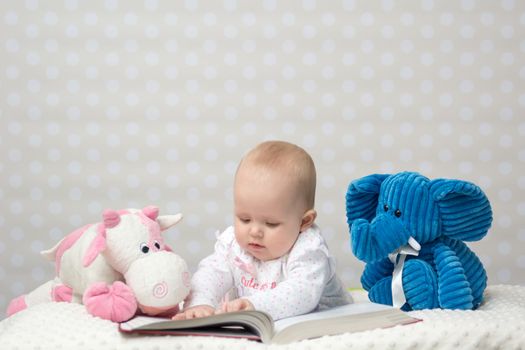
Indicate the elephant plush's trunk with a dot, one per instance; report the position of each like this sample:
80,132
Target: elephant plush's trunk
374,241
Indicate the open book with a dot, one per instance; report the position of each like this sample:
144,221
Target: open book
258,325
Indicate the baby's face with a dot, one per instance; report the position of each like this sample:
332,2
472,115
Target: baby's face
268,214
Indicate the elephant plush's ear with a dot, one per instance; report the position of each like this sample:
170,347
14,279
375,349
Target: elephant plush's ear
465,210
362,196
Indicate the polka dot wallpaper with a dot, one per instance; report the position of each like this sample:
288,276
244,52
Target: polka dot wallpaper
114,104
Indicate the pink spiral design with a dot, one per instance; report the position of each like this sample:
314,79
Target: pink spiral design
160,290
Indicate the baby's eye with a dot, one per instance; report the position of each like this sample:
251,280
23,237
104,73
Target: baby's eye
272,224
244,220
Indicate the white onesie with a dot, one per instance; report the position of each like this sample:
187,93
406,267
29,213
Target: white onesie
299,282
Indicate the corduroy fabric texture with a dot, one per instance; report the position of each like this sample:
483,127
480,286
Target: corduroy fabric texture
384,211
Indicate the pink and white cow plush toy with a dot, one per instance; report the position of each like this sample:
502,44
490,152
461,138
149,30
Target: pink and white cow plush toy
116,268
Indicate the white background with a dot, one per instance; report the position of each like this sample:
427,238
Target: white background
115,104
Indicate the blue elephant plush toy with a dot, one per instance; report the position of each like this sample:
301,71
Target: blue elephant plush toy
410,232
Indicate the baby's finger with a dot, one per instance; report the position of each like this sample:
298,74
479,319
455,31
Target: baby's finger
237,305
198,313
180,316
201,313
244,306
221,309
225,307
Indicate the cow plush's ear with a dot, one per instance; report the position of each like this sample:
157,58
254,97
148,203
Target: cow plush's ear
167,221
111,218
151,212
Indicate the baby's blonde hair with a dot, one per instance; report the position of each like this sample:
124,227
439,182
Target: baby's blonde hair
292,161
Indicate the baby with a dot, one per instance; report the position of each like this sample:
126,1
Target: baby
274,257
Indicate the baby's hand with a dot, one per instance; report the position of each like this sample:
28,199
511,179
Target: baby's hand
195,312
235,305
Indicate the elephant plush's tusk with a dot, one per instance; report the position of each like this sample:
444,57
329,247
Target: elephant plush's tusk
412,248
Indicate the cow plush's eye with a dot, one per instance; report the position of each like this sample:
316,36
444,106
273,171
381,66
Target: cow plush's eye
144,248
157,245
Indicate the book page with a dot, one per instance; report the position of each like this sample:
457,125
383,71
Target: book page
349,309
348,318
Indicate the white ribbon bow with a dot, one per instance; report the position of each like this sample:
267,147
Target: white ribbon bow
412,248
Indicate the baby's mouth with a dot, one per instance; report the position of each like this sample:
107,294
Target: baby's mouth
255,246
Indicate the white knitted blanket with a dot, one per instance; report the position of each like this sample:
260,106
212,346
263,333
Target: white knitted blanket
499,323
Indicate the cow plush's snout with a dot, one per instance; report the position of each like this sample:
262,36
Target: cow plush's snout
156,287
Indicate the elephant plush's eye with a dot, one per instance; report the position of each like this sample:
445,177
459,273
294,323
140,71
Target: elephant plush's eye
144,248
397,213
385,207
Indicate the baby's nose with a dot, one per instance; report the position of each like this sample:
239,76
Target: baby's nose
256,231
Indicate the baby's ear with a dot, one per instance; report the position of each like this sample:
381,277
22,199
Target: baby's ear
308,219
